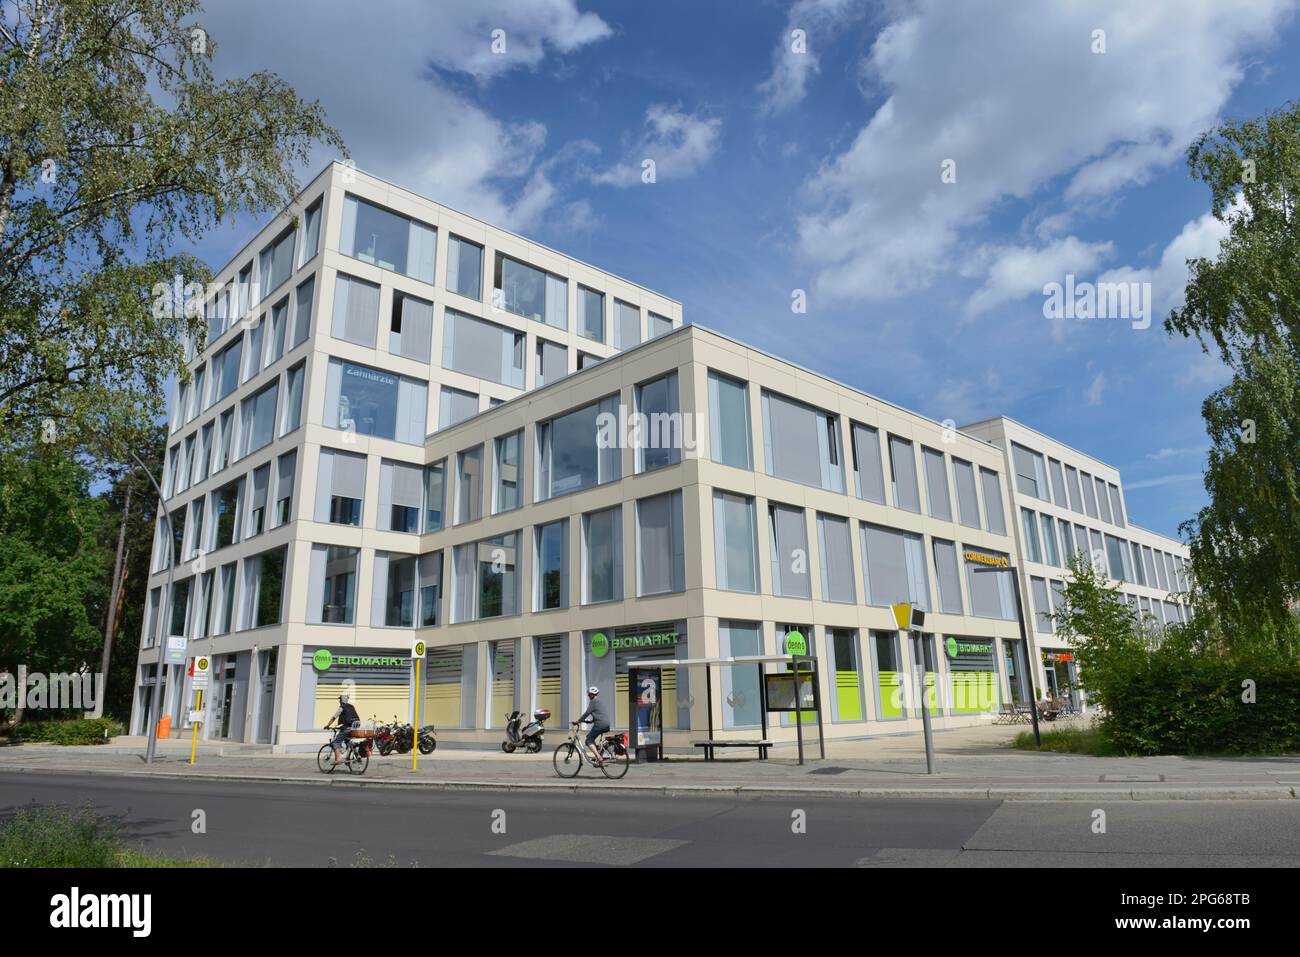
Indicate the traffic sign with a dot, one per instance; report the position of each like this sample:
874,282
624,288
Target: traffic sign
417,649
200,670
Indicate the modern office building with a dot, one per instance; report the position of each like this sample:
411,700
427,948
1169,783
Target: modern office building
407,423
1066,502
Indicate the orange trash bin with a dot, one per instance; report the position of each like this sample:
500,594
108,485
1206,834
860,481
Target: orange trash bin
165,727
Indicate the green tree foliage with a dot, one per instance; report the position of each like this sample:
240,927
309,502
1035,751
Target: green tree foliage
1244,307
116,145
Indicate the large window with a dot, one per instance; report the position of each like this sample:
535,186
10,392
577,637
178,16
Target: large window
370,402
505,472
729,421
482,349
1042,616
602,555
1057,475
530,292
333,585
286,467
661,546
401,496
660,437
551,589
454,406
801,443
278,332
257,420
465,268
1031,475
356,311
469,485
386,239
302,309
990,584
591,314
263,588
552,362
835,543
310,232
225,513
1029,524
292,417
257,506
276,263
848,674
868,472
627,324
993,513
484,579
1072,485
435,480
659,325
947,577
788,535
735,543
1089,494
902,475
340,488
1116,506
894,563
430,569
410,327
936,484
570,453
741,696
968,509
395,591
1103,501
1050,554
225,370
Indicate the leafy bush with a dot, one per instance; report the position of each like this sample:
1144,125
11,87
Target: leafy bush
77,731
59,837
1186,689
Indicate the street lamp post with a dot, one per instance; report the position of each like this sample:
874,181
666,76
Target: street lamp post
162,614
1024,641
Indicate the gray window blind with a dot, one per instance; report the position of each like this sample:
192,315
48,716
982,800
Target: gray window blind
416,338
1058,483
870,474
627,324
455,406
1116,506
407,482
1072,486
474,347
789,552
790,429
662,553
729,421
553,362
885,561
734,542
836,547
1089,494
1103,501
948,576
302,312
968,510
1042,608
993,514
356,311
287,466
1026,473
902,465
936,484
348,479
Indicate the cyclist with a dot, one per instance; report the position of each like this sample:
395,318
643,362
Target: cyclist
347,719
599,721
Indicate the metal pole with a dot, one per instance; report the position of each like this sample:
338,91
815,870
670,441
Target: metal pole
919,655
798,714
162,609
1029,664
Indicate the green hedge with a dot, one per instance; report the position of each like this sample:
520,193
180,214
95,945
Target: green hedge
1182,705
77,731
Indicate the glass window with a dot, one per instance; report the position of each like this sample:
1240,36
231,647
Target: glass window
225,426
992,488
1029,524
1089,495
661,546
275,338
947,577
1042,616
371,402
741,696
469,485
627,324
356,311
902,475
968,510
1116,506
835,543
253,354
591,314
333,584
552,362
1031,477
1139,572
889,675
410,327
571,454
196,399
430,569
505,485
434,491
286,469
1067,542
894,564
936,484
1058,483
257,507
484,579
989,583
659,325
293,399
848,675
341,487
204,461
395,582
225,370
735,543
868,470
729,421
602,555
482,349
1116,559
275,264
257,419
465,268
530,292
455,406
180,606
225,508
1103,502
1050,555
1072,486
659,424
801,443
387,239
552,585
302,308
311,231
788,536
401,496
263,588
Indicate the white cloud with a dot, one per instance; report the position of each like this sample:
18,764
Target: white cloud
678,142
1014,272
791,67
1096,389
1163,480
1012,93
1168,453
375,72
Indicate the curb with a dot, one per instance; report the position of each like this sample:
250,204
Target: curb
1263,792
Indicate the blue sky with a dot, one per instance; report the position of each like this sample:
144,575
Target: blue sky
820,170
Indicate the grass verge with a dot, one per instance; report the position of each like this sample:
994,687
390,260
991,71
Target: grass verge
1069,741
57,836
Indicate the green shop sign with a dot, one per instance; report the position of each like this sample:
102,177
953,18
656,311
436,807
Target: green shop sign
955,647
601,645
323,660
795,644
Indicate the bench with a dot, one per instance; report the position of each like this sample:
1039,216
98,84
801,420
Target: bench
710,745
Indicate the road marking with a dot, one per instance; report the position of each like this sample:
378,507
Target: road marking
590,848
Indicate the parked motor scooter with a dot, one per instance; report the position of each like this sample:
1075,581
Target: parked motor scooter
529,736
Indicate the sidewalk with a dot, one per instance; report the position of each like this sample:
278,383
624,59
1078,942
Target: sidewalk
971,763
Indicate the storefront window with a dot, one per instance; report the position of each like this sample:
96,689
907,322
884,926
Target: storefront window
502,701
376,681
972,674
549,669
443,696
848,675
741,697
889,675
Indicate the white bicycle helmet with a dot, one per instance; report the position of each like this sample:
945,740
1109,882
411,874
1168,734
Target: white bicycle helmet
593,690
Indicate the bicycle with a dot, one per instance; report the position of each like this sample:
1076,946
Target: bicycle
356,755
611,746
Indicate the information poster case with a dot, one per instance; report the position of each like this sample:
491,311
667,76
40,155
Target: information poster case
780,691
646,731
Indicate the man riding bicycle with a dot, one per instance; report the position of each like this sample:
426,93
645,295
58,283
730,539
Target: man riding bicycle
599,721
347,719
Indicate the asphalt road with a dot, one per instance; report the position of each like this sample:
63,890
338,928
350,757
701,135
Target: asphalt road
315,826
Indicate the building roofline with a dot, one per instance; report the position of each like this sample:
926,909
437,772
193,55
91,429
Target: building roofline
1044,435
